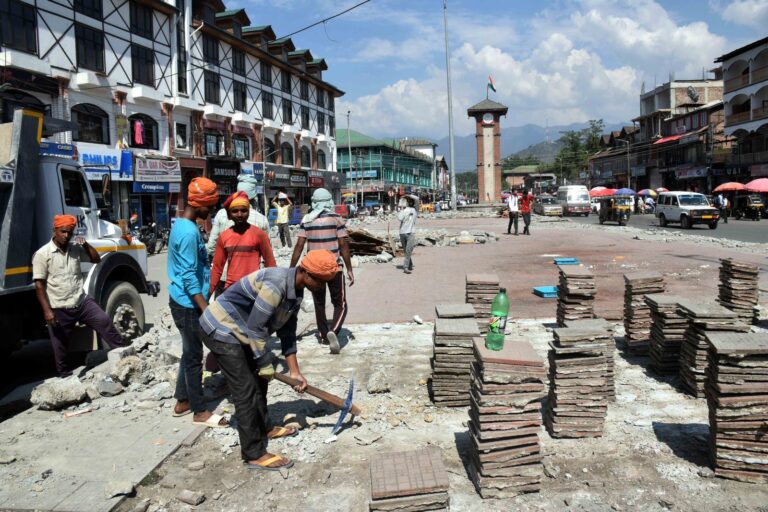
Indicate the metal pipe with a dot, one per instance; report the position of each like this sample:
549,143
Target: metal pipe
450,107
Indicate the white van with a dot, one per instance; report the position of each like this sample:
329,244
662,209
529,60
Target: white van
574,199
687,208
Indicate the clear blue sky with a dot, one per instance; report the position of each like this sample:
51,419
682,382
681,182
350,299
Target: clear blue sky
560,61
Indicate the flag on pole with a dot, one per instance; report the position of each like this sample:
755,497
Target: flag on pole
491,86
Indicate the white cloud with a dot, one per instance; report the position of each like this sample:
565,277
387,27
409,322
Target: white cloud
751,13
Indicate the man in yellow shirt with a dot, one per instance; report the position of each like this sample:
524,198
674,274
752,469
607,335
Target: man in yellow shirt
283,205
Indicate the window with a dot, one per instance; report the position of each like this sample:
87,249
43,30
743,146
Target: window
237,30
214,143
143,132
181,136
304,90
285,81
241,146
320,122
266,105
331,126
92,124
143,62
90,8
181,59
287,112
90,48
266,73
240,92
320,98
331,106
321,160
287,152
304,118
18,26
306,157
212,87
141,20
238,61
210,49
269,151
75,191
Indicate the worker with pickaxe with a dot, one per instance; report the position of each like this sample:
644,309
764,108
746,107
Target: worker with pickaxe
236,327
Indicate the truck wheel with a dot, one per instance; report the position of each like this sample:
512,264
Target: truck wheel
713,225
685,222
124,306
662,220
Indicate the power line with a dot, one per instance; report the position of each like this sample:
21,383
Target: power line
329,18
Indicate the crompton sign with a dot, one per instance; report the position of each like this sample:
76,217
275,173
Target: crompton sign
155,188
154,169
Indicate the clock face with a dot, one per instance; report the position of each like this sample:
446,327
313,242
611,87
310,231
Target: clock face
488,118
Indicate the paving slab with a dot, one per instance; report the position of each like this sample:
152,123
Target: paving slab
455,311
738,342
400,474
456,327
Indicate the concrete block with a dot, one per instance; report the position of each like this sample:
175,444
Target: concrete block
115,355
54,394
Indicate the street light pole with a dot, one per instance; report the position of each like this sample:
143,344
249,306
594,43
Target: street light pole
349,155
629,172
450,106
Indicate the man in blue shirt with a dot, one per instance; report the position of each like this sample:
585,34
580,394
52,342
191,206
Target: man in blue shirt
189,276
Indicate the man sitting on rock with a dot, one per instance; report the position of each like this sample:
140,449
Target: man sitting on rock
236,327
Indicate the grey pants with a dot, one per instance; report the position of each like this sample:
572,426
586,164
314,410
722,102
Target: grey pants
409,242
285,234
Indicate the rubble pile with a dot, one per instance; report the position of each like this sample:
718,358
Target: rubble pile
668,326
578,383
505,418
363,243
576,291
693,353
637,314
739,289
452,357
409,481
480,291
601,324
737,386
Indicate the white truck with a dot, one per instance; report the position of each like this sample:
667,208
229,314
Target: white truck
574,199
33,189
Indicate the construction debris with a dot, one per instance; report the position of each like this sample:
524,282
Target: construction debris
739,289
363,243
637,314
409,481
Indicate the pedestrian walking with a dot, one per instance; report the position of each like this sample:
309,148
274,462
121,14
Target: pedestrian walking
721,203
283,205
407,217
525,210
59,287
514,211
323,229
189,278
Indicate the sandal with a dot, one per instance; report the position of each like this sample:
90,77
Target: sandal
177,413
214,421
266,465
279,432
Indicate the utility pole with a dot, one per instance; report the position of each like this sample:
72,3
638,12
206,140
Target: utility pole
450,106
349,155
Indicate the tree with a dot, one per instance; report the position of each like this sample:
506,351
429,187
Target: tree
576,146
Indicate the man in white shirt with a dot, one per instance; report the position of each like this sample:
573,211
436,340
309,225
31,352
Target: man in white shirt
514,211
407,218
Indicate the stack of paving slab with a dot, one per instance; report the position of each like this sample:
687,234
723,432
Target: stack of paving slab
409,481
702,318
737,395
505,419
603,325
668,326
480,292
637,314
576,291
455,326
739,289
578,383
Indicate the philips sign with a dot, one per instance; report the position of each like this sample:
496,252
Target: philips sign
97,159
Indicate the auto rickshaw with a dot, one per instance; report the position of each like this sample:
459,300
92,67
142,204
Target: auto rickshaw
615,209
748,206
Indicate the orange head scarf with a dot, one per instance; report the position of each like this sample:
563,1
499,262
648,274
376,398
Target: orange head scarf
64,221
237,199
202,192
320,264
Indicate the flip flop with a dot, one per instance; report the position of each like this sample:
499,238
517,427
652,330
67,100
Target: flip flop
183,413
212,422
264,466
282,432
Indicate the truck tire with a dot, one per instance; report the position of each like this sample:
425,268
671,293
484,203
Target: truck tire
713,225
662,220
685,222
123,305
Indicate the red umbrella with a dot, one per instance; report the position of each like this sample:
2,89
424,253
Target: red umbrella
662,189
758,185
731,186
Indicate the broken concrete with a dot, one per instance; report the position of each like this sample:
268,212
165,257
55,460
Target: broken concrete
56,393
378,382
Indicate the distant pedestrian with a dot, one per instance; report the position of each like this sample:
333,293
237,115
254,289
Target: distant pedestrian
525,209
283,204
407,218
514,211
721,203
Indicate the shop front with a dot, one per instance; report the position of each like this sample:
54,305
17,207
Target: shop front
256,169
224,173
191,168
332,182
758,171
299,187
156,189
277,179
98,161
688,178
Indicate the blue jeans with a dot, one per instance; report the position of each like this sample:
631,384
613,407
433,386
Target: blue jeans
189,382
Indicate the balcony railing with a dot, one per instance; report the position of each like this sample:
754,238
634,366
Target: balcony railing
736,83
759,74
748,158
741,117
759,113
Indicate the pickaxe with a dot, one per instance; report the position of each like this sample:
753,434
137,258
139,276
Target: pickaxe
345,404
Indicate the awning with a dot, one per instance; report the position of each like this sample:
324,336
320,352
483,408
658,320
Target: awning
668,139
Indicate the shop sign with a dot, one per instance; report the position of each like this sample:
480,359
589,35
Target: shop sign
156,170
684,174
315,182
638,172
298,179
758,170
210,124
97,162
373,174
257,169
277,175
60,150
225,171
155,188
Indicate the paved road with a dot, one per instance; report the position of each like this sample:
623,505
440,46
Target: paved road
741,230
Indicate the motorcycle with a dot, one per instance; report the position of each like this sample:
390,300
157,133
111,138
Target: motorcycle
146,235
163,237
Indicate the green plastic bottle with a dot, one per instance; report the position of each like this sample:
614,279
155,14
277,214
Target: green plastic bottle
494,340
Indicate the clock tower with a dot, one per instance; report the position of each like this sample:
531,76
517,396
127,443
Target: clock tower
487,114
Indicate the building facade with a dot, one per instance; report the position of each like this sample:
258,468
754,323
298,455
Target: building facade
162,92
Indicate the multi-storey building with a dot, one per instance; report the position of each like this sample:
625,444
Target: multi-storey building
162,92
745,71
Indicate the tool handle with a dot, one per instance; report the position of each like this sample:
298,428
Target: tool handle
318,393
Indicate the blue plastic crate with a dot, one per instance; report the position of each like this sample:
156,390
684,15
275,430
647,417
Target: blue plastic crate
546,292
566,261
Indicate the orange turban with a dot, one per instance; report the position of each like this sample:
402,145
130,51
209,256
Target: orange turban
237,199
64,221
320,264
202,192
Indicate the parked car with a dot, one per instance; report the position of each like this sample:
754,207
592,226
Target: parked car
546,204
687,208
574,199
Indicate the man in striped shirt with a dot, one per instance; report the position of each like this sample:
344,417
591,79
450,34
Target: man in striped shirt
322,229
236,328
